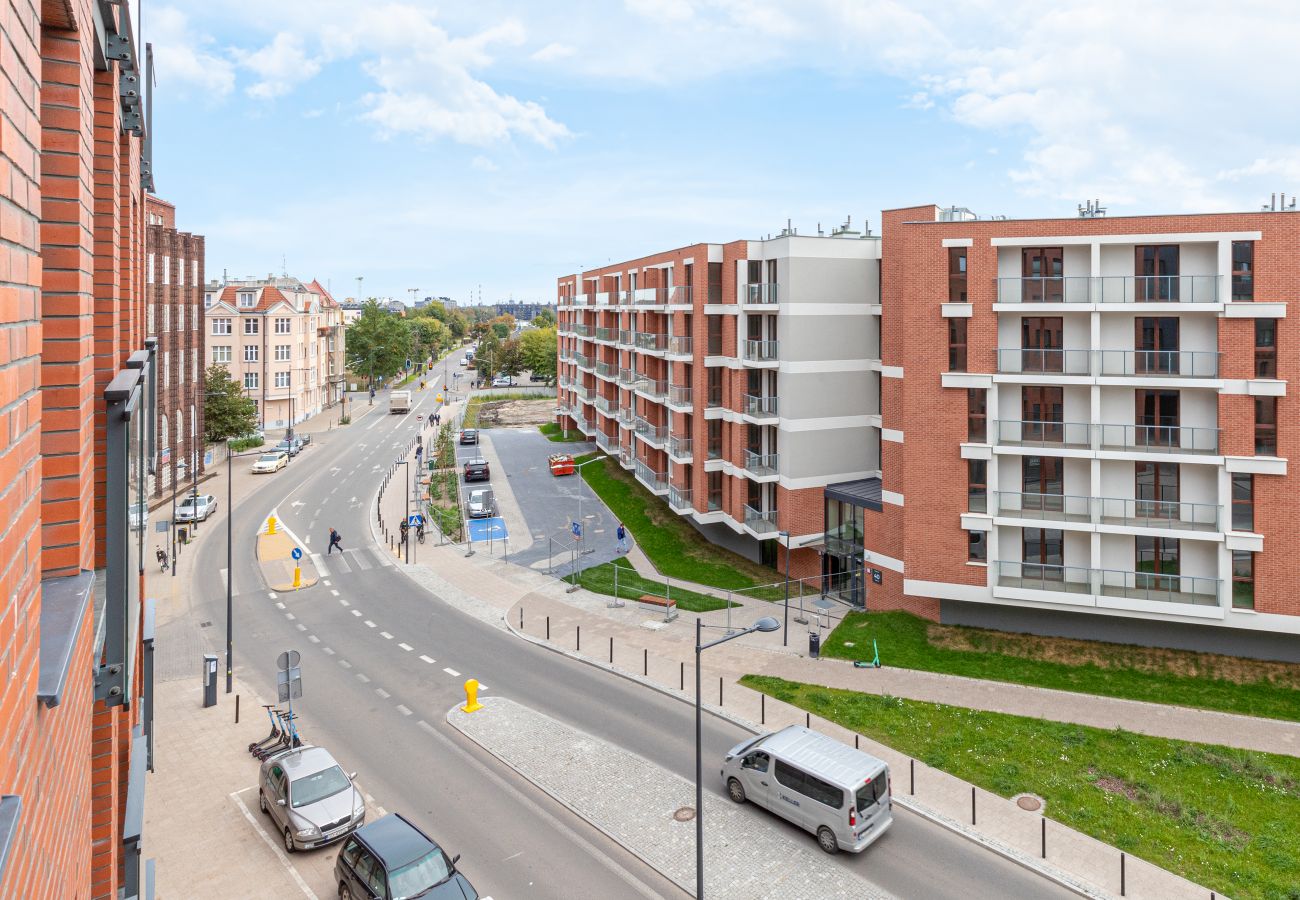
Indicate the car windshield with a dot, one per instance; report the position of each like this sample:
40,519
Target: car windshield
412,880
268,457
317,786
188,502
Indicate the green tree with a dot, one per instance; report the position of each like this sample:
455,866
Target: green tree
511,358
501,330
544,319
538,348
377,343
227,412
487,360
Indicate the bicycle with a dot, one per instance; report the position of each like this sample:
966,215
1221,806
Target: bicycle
419,534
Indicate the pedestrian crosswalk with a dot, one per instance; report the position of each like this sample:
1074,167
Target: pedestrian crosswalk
353,560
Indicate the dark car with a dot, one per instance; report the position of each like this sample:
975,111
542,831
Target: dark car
476,469
392,859
469,436
534,377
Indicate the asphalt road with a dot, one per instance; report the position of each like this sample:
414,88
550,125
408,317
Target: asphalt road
380,707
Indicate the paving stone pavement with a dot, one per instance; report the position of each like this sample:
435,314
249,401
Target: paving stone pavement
595,779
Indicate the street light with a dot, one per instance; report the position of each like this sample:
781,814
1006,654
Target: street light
577,470
785,632
406,465
765,624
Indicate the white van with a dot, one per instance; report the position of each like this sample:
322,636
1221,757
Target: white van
839,794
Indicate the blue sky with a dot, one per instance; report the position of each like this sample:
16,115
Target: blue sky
444,147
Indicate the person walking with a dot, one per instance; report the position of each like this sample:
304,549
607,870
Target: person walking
405,529
622,538
335,541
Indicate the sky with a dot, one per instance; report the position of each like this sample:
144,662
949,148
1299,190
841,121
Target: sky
487,148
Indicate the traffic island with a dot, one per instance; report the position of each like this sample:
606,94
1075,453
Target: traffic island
275,558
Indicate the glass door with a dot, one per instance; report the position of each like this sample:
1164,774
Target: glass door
1041,272
1042,411
1157,419
1043,484
1040,344
1156,491
1043,554
1156,341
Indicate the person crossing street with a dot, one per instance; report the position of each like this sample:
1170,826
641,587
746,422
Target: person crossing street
622,538
335,541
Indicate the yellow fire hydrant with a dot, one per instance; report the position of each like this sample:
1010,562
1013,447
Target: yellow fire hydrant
471,697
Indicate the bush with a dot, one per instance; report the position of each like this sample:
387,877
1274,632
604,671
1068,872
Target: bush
239,445
345,420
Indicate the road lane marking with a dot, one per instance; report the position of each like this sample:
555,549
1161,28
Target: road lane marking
225,574
344,602
452,672
362,678
428,660
356,612
369,624
290,616
300,626
326,582
345,664
335,593
343,565
279,853
313,639
407,647
308,539
385,635
328,651
359,560
320,564
279,606
273,595
383,693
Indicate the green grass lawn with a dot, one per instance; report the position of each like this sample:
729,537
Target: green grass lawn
673,545
556,433
1226,819
600,579
1157,675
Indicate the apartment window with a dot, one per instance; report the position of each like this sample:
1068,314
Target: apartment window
1155,339
149,269
1156,559
977,548
250,381
208,299
1243,502
167,368
180,317
221,326
282,379
977,488
754,271
715,282
714,386
1243,271
715,490
1043,553
1042,409
1157,418
1243,579
1042,271
167,270
1041,341
1266,348
221,353
957,345
715,439
1156,490
1042,483
715,335
250,352
1156,273
1266,426
976,415
281,352
957,275
250,326
282,326
149,319
166,317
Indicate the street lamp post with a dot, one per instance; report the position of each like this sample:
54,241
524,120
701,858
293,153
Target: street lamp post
405,464
230,570
785,631
577,470
765,624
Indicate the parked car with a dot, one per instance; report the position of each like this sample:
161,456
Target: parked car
304,439
196,509
139,515
534,377
476,469
469,436
481,504
309,797
503,381
271,462
390,857
292,448
465,361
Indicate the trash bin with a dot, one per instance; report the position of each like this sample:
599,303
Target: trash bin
183,535
814,645
209,680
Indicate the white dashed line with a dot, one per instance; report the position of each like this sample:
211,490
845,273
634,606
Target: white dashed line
403,710
290,616
482,686
362,678
346,603
428,660
383,693
452,672
385,635
407,647
369,624
313,639
335,593
279,606
273,595
356,612
426,726
300,627
345,664
328,651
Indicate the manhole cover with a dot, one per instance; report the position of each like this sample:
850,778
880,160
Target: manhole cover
1029,802
685,814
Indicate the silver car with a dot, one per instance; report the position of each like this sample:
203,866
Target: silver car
309,797
196,509
480,504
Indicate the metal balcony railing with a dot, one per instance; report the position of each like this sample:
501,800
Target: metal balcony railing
606,334
679,295
603,440
1173,514
607,405
760,407
606,370
653,341
581,360
1031,433
626,337
762,463
679,498
627,377
760,521
759,293
607,298
680,345
626,456
1160,363
584,393
656,481
581,330
648,296
1159,587
679,395
679,447
1159,438
655,390
655,435
762,351
1054,507
1050,362
1044,577
626,415
1045,289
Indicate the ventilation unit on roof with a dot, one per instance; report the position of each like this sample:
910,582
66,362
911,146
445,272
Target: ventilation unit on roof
1092,209
845,230
1276,205
957,214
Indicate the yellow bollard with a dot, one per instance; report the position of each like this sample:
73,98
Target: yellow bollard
297,577
439,398
471,697
270,524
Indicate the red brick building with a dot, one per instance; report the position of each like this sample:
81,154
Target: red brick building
74,390
174,293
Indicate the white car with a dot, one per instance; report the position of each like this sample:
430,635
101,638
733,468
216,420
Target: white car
196,509
503,381
480,504
271,462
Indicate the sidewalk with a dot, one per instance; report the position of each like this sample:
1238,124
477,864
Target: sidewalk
275,558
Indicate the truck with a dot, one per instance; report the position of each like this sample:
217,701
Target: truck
399,402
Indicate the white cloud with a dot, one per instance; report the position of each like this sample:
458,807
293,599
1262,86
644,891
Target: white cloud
183,58
483,164
661,10
552,52
280,66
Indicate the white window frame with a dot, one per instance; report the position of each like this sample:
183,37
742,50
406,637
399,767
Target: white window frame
282,353
250,353
247,299
221,325
250,381
251,326
221,353
282,379
283,325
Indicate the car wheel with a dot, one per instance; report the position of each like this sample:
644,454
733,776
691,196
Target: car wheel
826,840
288,841
261,803
344,893
735,790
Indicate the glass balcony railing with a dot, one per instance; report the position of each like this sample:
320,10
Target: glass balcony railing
626,337
607,298
652,341
606,334
655,435
626,456
1109,510
1048,289
1159,438
581,330
679,395
1051,362
1055,507
762,463
1030,433
656,481
760,407
626,416
762,351
679,295
584,393
761,521
679,447
1044,577
1109,289
759,293
679,345
607,405
648,296
582,361
1159,587
603,440
679,498
606,370
713,399
1160,363
627,377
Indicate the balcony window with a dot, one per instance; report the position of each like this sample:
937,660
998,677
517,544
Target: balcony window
1266,426
1156,341
1266,348
1043,552
1042,270
1243,579
714,335
976,415
1043,409
715,282
1156,268
1157,418
1042,482
977,550
1243,502
957,279
715,488
1156,562
1156,490
957,345
977,487
1243,271
1041,343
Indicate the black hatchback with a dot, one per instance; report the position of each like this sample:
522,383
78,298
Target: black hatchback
391,859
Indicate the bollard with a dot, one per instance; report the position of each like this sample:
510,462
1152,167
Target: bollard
578,647
471,697
611,649
972,804
855,742
236,709
762,709
719,690
270,524
297,577
1121,874
548,628
645,662
683,677
911,764
1045,844
521,618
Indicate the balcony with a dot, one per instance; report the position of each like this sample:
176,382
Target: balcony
607,298
679,447
679,295
655,481
585,394
761,351
588,299
655,390
607,405
602,440
760,407
1107,510
626,416
606,370
679,396
679,345
581,360
1053,507
1109,289
1028,433
581,330
625,456
1159,438
586,426
1043,577
1047,362
627,377
1160,363
758,294
607,335
762,464
1059,289
680,498
626,338
1152,587
651,341
654,435
760,521
648,297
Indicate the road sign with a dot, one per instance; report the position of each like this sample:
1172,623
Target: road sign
415,520
297,553
288,681
576,528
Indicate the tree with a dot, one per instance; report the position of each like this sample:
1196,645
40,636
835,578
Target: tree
538,348
487,361
227,412
501,330
377,343
511,358
544,319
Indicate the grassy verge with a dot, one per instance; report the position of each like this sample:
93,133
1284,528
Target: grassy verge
600,579
556,433
476,402
1207,681
673,545
242,444
1223,818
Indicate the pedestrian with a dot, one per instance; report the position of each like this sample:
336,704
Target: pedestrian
622,538
405,528
335,541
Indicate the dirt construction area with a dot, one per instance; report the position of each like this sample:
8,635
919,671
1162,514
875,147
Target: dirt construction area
505,413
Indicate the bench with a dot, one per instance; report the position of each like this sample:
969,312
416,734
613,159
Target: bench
667,605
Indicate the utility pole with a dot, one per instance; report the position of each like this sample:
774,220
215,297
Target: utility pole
359,280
